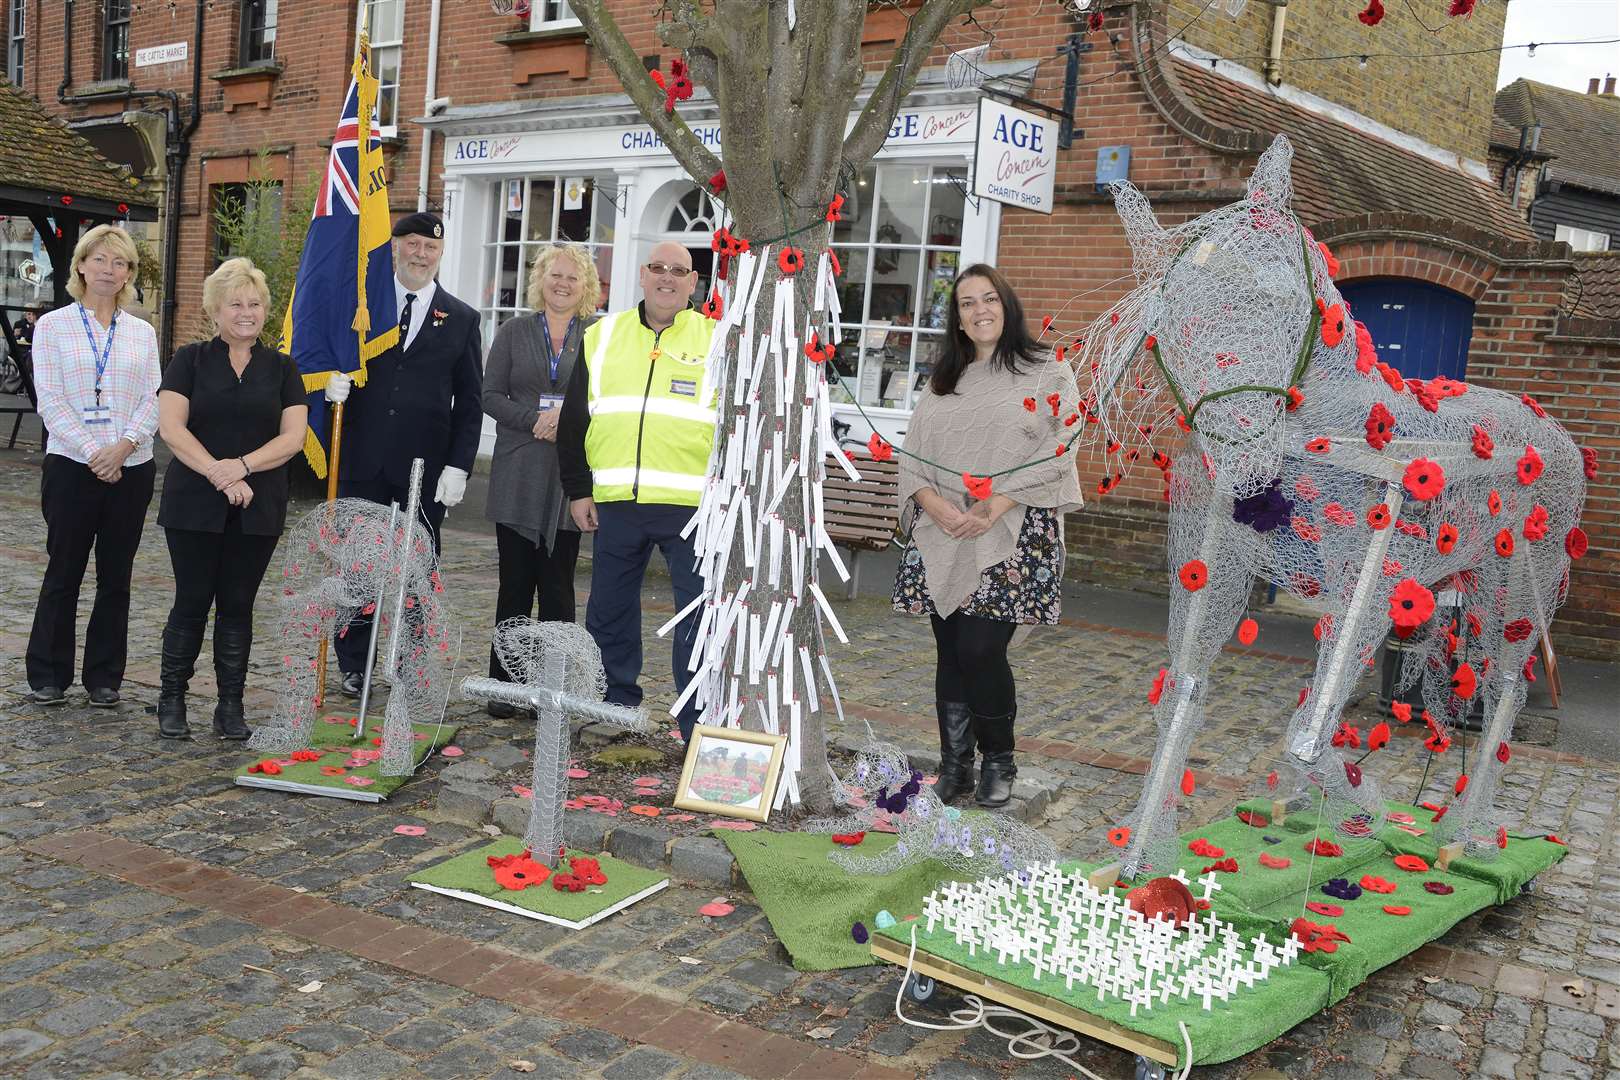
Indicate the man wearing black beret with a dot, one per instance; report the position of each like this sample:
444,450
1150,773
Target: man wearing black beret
421,399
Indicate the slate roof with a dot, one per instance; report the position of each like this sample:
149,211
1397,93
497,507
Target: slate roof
38,151
1341,172
1595,288
1580,132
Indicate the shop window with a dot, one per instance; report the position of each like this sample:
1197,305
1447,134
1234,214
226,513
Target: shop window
900,243
115,40
530,213
258,42
16,41
551,14
385,20
25,267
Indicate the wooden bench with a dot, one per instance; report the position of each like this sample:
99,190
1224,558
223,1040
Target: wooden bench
861,516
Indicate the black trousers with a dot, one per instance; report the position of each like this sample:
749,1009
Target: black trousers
217,570
351,647
530,570
972,666
84,514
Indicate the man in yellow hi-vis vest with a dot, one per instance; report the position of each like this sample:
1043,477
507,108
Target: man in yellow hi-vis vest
633,446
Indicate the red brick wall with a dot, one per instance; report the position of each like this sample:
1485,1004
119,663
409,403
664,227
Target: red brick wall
1070,265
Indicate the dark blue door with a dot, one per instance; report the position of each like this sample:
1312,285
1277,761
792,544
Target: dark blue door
1421,330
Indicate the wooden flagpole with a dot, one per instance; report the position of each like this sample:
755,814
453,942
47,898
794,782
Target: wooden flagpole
331,497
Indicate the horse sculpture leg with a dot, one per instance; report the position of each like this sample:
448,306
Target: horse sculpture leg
1194,645
1469,828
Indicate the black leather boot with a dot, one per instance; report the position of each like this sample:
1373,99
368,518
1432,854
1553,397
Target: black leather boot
955,750
995,735
182,641
233,640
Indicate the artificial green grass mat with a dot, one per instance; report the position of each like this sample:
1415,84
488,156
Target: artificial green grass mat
333,741
812,902
469,872
1507,874
1259,899
1227,1030
1378,938
1256,885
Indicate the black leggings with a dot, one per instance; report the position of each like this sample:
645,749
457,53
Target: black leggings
972,663
217,570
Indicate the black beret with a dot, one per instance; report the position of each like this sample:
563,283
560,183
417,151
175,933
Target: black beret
420,224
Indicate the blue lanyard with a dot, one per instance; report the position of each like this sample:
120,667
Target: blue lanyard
553,354
103,355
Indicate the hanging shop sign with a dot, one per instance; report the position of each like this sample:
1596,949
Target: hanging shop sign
1015,157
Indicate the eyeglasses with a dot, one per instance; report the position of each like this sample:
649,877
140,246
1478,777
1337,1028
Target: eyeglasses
657,269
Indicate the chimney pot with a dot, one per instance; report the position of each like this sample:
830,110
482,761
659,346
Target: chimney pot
1592,85
1608,85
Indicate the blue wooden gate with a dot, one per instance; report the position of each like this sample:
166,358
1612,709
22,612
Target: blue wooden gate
1421,330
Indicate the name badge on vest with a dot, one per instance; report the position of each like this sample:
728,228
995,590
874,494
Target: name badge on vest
97,414
683,387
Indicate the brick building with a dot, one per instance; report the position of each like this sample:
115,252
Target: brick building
527,137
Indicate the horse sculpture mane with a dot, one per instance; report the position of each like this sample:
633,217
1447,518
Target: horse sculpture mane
1312,464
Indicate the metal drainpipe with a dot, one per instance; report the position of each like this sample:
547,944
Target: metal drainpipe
427,106
1279,15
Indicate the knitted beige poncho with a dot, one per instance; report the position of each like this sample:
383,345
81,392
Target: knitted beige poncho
983,428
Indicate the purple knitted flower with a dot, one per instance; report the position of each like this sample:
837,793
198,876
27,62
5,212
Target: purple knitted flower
1341,888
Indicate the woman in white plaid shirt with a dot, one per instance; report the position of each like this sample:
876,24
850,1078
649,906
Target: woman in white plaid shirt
96,372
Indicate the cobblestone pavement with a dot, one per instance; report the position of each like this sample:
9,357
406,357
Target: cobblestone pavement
157,921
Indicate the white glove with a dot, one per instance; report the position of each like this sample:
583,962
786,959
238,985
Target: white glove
452,487
338,386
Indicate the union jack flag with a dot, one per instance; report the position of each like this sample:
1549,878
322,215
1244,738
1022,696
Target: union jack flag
342,313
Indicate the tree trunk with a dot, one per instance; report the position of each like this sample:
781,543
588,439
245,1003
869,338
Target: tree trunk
784,92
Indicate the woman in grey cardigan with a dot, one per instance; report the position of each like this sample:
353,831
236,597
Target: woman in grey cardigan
524,380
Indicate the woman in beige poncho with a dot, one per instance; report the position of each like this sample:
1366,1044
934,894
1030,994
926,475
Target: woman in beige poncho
982,567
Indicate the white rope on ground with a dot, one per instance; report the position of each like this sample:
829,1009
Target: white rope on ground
1039,1040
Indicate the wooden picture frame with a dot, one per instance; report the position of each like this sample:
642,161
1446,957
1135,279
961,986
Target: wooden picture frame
731,772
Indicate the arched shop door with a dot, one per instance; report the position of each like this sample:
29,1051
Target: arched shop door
1421,330
691,223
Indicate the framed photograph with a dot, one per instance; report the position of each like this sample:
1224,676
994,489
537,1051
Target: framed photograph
731,772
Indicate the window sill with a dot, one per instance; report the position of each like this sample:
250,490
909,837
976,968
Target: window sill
566,31
245,87
555,50
103,88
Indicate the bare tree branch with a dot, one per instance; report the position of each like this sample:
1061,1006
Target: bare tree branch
678,138
922,32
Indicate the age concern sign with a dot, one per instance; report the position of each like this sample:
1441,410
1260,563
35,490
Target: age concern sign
1015,158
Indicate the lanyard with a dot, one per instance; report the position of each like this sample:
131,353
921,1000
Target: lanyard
553,354
105,354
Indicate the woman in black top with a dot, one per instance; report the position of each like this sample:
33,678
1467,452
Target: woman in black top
233,412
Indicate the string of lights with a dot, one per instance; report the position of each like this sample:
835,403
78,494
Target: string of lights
1364,57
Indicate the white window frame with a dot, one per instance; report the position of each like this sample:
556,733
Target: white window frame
16,41
363,25
856,319
494,245
551,15
1582,239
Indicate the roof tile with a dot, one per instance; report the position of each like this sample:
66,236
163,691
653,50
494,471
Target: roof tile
1340,171
40,152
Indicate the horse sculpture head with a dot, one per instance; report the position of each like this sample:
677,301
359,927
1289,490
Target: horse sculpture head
1224,322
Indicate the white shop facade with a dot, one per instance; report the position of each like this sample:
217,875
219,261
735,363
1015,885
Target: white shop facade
521,175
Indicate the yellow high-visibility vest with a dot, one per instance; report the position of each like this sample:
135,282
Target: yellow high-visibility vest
652,408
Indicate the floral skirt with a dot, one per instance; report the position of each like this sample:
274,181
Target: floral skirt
1023,588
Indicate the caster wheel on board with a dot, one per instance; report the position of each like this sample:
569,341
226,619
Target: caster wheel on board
1148,1070
919,988
1528,887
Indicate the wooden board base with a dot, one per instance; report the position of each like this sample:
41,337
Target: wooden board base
1014,997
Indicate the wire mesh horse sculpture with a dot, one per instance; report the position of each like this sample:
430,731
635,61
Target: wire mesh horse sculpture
1311,464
